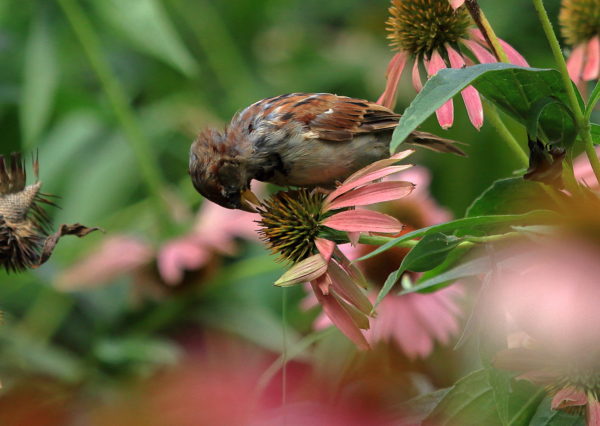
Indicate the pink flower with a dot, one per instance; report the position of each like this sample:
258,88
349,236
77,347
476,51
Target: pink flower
214,234
583,171
302,226
579,26
428,32
414,322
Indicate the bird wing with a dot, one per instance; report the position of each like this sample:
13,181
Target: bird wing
326,116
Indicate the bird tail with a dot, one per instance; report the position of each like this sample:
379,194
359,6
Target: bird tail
435,143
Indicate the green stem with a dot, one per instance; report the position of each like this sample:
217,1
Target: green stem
284,348
494,118
125,116
486,29
378,240
582,123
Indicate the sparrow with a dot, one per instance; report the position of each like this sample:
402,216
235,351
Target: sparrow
297,139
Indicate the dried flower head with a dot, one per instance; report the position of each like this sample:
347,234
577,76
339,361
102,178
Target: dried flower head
422,26
24,225
25,240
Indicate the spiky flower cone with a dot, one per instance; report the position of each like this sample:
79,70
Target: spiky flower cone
24,225
579,20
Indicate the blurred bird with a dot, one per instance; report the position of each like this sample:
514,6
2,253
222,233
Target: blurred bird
297,139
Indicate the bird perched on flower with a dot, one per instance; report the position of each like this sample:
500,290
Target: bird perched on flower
298,139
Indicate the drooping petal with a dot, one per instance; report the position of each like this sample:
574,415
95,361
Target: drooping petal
568,397
380,164
374,193
416,77
592,61
363,221
306,270
480,52
445,113
513,55
470,95
575,63
365,179
456,3
340,317
323,282
359,318
350,268
593,412
344,285
325,247
394,71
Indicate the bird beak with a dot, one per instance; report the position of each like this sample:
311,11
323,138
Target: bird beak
249,200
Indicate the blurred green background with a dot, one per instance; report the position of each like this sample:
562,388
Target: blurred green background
102,89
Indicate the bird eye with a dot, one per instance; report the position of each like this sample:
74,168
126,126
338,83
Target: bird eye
250,128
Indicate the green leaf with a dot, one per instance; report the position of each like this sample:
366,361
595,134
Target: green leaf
416,409
512,88
516,400
536,113
147,26
40,77
546,416
431,251
476,266
469,402
594,98
510,196
468,225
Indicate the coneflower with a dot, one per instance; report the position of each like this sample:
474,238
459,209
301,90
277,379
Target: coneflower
580,25
435,35
303,226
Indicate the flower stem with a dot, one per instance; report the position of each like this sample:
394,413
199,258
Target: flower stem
486,29
125,116
378,240
284,347
492,114
582,124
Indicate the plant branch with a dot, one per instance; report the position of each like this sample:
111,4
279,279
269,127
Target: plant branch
582,124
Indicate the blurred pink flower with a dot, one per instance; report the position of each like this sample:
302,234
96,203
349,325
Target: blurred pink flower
579,26
291,224
413,321
429,32
583,170
213,234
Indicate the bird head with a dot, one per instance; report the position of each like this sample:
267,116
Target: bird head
219,173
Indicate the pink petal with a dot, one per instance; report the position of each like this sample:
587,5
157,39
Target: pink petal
380,164
568,397
394,71
482,54
374,193
340,318
575,63
445,113
456,3
343,284
366,178
325,247
513,55
592,65
350,268
470,95
353,237
323,282
593,413
359,318
179,256
306,270
363,221
416,77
